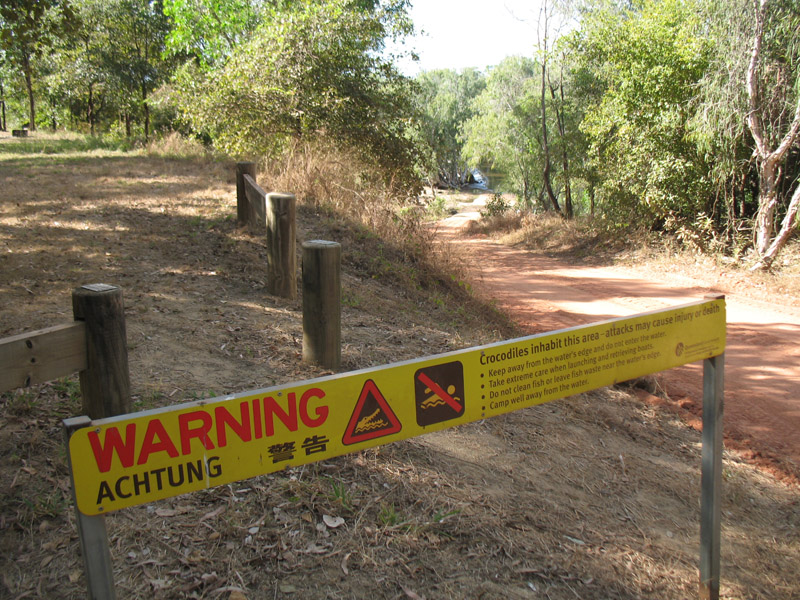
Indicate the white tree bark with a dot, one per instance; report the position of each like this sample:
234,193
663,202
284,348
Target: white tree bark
769,160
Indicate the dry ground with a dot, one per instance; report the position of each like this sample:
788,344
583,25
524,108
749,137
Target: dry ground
595,496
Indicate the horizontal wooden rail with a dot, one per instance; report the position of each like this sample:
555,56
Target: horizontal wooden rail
43,355
256,199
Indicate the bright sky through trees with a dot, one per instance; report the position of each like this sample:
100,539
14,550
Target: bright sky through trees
471,33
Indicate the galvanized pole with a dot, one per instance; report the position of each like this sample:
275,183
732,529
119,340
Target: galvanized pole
92,533
711,478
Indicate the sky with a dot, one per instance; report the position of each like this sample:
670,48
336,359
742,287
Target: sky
471,33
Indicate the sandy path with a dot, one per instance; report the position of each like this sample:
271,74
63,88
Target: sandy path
762,362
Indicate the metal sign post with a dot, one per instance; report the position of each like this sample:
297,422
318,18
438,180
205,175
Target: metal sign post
711,478
92,533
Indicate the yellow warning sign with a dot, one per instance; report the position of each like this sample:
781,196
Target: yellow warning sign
138,458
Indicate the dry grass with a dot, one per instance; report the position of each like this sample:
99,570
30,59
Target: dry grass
592,497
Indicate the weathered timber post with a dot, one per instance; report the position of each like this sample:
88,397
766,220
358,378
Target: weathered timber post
105,383
281,240
242,209
256,204
322,298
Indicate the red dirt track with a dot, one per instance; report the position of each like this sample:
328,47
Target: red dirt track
762,358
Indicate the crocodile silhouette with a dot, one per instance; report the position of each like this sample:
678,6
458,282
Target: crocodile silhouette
371,422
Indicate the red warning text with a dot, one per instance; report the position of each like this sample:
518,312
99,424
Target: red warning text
203,430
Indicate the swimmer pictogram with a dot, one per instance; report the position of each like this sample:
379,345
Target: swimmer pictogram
439,393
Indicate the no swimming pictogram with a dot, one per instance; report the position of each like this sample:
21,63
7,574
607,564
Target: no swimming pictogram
372,417
439,393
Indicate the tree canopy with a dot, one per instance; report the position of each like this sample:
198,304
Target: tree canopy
311,70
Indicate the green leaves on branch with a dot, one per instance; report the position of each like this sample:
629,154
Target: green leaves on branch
446,100
209,30
311,71
506,128
646,67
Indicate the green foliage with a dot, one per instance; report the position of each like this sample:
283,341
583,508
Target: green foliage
28,29
312,71
340,494
496,207
647,65
208,30
437,207
389,516
506,128
446,100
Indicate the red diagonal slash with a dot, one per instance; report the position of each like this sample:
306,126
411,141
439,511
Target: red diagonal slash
451,402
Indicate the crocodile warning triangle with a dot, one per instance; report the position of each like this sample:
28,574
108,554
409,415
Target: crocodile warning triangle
372,417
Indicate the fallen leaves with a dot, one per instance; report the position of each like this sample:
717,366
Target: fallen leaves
332,522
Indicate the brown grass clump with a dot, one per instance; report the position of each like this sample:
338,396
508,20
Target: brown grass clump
391,237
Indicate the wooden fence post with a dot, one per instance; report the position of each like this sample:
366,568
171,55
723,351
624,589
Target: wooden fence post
242,209
106,392
105,383
322,298
281,240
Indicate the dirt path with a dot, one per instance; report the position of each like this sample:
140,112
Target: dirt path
762,372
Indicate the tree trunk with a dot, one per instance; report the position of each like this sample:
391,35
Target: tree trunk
3,106
146,107
545,145
768,159
90,109
768,198
562,131
26,67
786,230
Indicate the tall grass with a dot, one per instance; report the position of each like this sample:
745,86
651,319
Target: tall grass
388,222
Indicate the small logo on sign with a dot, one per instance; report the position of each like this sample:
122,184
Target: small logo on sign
439,393
372,417
679,349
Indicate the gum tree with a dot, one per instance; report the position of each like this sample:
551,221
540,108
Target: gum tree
446,103
506,130
27,29
773,118
313,70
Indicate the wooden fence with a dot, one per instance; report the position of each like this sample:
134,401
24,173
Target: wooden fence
95,346
95,343
276,214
